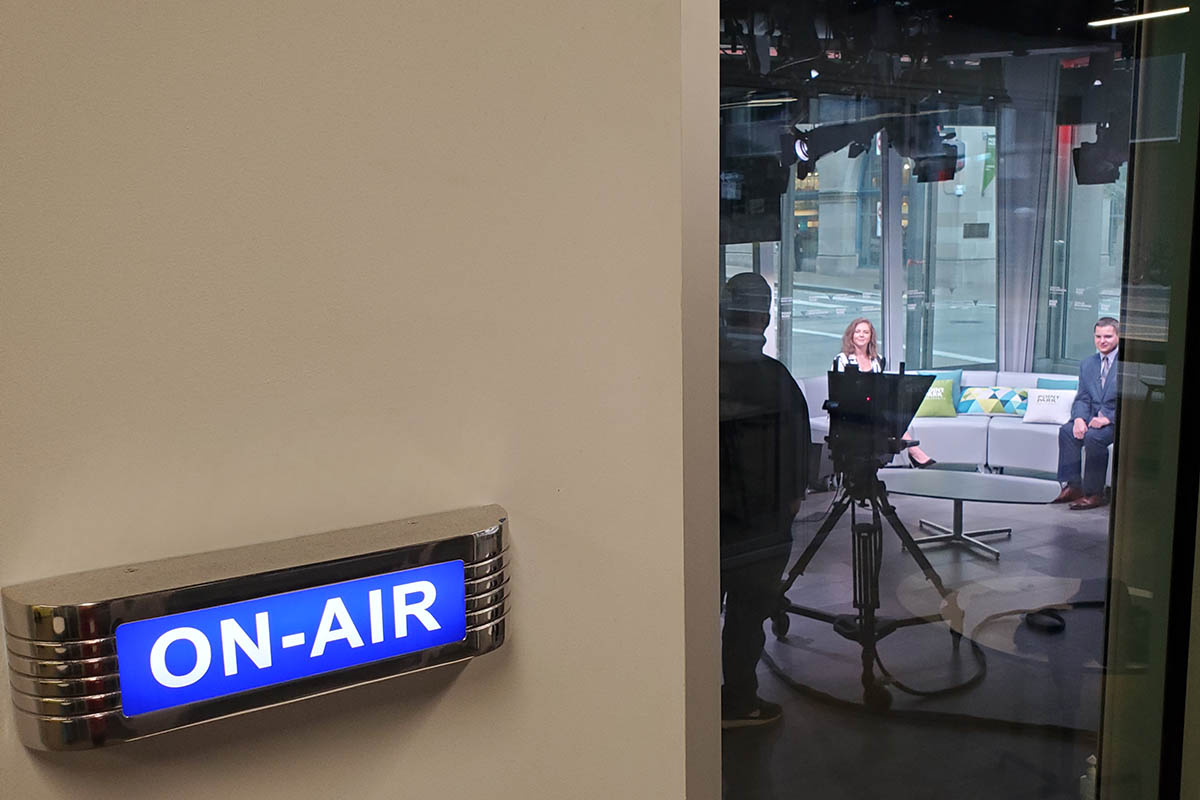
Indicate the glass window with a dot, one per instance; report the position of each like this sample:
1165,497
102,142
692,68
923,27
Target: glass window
984,188
1083,265
948,233
836,257
817,238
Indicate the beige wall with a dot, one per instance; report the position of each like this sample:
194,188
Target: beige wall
278,267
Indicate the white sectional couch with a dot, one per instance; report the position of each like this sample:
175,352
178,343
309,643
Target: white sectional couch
988,442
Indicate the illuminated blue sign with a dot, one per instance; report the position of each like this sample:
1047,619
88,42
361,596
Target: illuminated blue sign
213,652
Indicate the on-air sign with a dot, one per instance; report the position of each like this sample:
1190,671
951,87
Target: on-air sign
213,652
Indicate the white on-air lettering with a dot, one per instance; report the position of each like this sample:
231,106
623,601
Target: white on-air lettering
336,624
419,610
158,657
233,636
335,610
375,599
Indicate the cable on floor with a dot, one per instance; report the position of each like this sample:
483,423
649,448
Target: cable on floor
1045,729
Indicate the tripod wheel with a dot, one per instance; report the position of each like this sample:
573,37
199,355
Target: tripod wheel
877,698
780,626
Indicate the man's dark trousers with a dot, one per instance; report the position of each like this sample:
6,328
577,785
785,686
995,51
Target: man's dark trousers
751,595
1091,452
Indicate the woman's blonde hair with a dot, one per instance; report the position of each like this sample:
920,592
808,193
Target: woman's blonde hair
848,339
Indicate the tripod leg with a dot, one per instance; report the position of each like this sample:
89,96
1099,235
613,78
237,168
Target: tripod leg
875,696
867,557
866,629
779,620
801,564
906,539
953,614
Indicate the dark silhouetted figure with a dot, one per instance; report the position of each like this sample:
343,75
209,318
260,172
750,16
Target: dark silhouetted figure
764,465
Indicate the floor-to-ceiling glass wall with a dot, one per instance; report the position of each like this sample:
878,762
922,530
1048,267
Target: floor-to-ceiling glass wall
948,240
1083,263
816,237
837,245
1005,198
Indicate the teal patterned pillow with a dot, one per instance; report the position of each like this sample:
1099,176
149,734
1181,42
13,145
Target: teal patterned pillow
993,400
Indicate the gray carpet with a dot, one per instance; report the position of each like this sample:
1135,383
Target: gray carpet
1024,730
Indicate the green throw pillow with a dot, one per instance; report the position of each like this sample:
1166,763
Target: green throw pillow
952,375
939,400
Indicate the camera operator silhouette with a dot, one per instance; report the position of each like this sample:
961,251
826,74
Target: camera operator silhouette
764,438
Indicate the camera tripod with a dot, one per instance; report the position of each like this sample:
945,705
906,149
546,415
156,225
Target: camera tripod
863,488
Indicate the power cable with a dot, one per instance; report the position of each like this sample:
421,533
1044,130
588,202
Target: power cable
990,723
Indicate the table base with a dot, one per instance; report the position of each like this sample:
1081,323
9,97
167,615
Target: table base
957,536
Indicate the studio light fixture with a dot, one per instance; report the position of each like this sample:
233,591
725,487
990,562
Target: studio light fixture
801,148
759,102
1100,161
1170,12
936,156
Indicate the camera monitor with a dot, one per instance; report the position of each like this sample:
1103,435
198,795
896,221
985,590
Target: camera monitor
868,414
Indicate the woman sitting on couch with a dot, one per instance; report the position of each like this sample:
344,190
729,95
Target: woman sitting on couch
860,349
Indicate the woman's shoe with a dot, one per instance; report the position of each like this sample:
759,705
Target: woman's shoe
920,464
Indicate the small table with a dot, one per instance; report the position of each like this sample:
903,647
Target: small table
962,487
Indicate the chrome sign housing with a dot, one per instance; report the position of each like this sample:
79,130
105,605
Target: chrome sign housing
122,653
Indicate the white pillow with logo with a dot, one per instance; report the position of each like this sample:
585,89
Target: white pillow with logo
1049,405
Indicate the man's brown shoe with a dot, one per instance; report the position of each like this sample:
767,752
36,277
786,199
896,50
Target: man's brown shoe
1068,494
1091,501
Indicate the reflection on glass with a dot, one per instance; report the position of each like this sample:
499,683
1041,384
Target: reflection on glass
949,251
965,184
764,436
1082,267
836,254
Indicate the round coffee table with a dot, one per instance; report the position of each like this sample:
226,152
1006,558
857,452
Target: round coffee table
962,487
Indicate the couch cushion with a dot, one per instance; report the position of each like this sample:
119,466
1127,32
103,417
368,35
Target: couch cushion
1028,380
819,427
1013,444
816,392
980,377
953,440
1018,445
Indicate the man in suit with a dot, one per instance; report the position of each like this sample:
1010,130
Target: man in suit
764,438
1089,432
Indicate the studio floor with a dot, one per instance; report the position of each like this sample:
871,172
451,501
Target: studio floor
1024,725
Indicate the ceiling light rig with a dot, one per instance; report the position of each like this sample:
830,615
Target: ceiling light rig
905,51
1169,12
936,156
